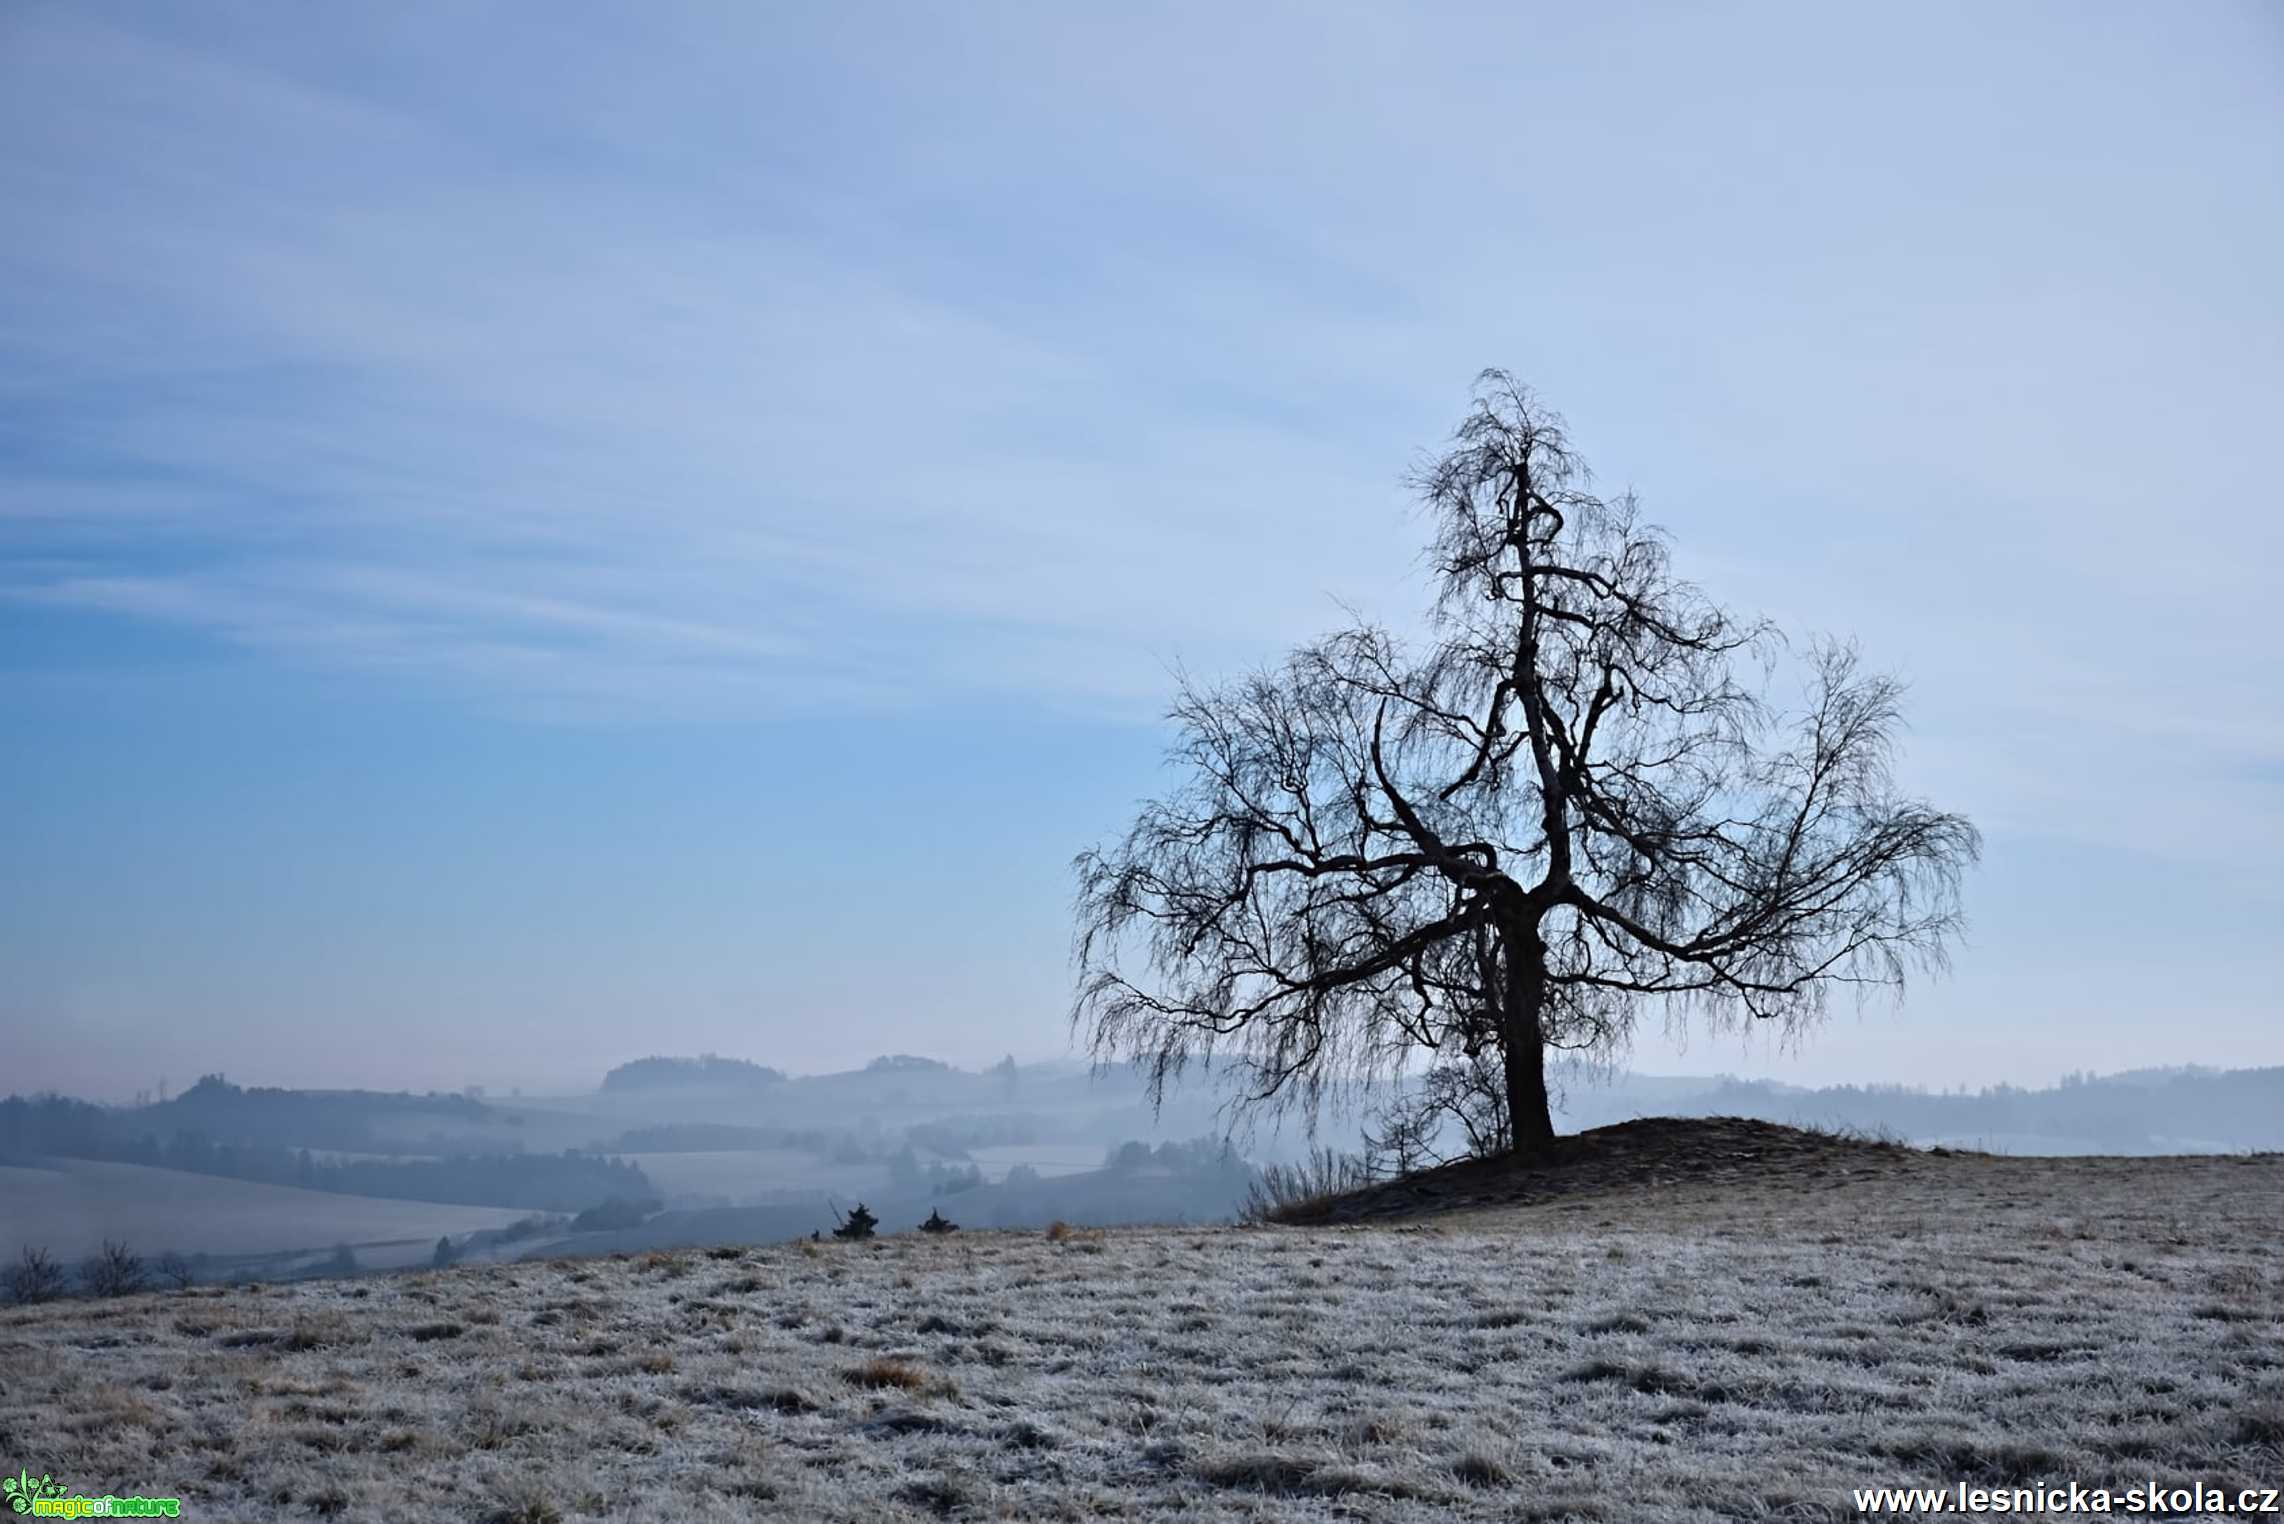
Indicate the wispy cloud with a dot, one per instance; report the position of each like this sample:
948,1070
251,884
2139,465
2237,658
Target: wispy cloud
719,365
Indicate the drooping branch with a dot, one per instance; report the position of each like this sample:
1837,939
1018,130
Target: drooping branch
1573,797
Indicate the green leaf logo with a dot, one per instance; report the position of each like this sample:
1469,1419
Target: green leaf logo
23,1488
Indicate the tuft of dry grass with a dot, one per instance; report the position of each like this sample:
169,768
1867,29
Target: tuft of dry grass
526,1502
2261,1424
1476,1469
901,1374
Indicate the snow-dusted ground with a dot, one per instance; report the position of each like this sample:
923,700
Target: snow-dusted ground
1746,1350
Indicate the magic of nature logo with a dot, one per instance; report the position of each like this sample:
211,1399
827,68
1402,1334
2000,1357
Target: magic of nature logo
43,1497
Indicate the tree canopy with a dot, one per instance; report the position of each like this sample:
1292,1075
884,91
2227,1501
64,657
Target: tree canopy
1576,801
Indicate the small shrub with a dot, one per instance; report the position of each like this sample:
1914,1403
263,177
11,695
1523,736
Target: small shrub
938,1223
113,1270
35,1277
859,1224
175,1271
1283,1190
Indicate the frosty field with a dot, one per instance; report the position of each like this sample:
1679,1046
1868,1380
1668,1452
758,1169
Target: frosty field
1748,1347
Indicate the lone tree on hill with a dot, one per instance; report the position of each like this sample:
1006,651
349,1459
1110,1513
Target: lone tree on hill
1569,807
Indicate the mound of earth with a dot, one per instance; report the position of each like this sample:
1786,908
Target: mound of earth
1654,1151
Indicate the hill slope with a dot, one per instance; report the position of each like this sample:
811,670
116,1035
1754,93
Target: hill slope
1657,1351
69,1206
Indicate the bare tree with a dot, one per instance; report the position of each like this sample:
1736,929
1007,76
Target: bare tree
1468,1094
113,1270
35,1276
176,1271
1572,805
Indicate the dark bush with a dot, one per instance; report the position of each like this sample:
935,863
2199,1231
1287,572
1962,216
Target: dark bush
1285,1188
113,1270
35,1277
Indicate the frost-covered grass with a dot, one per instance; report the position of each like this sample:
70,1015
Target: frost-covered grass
1743,1349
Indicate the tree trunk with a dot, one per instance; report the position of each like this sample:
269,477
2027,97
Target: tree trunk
1530,1120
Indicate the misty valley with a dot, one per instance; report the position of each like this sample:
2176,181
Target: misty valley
226,1183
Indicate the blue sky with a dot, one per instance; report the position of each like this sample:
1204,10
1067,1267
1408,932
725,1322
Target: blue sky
533,535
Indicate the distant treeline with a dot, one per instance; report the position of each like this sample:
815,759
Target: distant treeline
711,1071
353,1121
708,1070
565,1182
2137,1112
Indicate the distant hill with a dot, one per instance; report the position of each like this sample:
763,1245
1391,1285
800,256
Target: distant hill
2146,1111
353,1120
707,1071
907,1063
309,1139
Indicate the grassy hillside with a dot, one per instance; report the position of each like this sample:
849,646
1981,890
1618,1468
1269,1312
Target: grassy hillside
1753,1343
